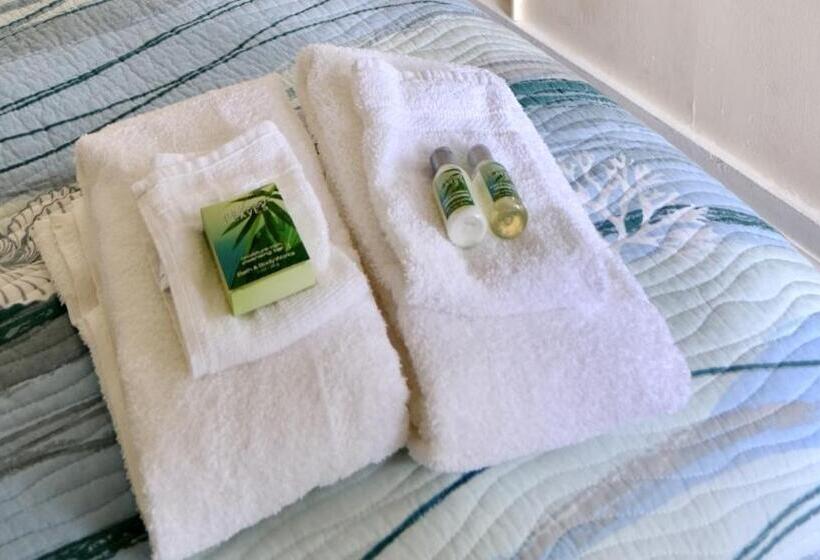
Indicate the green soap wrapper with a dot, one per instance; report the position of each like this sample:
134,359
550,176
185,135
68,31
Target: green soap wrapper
257,249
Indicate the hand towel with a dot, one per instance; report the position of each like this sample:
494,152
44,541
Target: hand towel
170,198
516,346
210,456
403,123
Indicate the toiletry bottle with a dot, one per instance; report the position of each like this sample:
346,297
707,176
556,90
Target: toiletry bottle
464,221
506,212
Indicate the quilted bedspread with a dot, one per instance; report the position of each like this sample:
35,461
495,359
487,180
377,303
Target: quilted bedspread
734,475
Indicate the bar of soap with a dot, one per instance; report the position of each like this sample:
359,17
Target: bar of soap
257,249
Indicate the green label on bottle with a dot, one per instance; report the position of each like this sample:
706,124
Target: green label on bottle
453,191
497,180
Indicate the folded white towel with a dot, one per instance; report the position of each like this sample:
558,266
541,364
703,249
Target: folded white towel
404,121
516,346
170,199
210,456
63,241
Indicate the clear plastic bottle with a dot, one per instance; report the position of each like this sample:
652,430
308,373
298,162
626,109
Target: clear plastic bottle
506,211
464,221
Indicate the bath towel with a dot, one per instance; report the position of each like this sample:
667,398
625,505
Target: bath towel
516,346
209,456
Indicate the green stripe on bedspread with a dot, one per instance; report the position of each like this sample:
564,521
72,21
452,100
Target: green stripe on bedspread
735,475
103,544
545,92
20,318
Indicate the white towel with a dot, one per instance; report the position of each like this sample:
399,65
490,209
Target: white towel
402,124
63,241
170,198
210,456
516,346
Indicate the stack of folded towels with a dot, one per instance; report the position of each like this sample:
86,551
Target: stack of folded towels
222,420
512,348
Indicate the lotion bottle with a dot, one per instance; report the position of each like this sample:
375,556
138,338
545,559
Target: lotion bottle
464,221
506,211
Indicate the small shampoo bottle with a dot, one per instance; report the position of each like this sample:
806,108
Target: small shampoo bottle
507,214
465,223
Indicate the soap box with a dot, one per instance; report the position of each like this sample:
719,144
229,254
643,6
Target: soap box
257,249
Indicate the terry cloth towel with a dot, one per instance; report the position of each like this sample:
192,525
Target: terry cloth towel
516,346
170,199
210,456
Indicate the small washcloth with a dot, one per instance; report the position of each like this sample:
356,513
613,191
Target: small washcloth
210,456
170,199
516,346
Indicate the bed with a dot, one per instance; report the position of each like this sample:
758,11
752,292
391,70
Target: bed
734,475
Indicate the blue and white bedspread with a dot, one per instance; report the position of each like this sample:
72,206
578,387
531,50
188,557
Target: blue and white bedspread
735,475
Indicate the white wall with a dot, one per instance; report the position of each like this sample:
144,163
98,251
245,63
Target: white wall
739,77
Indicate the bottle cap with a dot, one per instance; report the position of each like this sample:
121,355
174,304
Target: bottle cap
477,154
441,156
